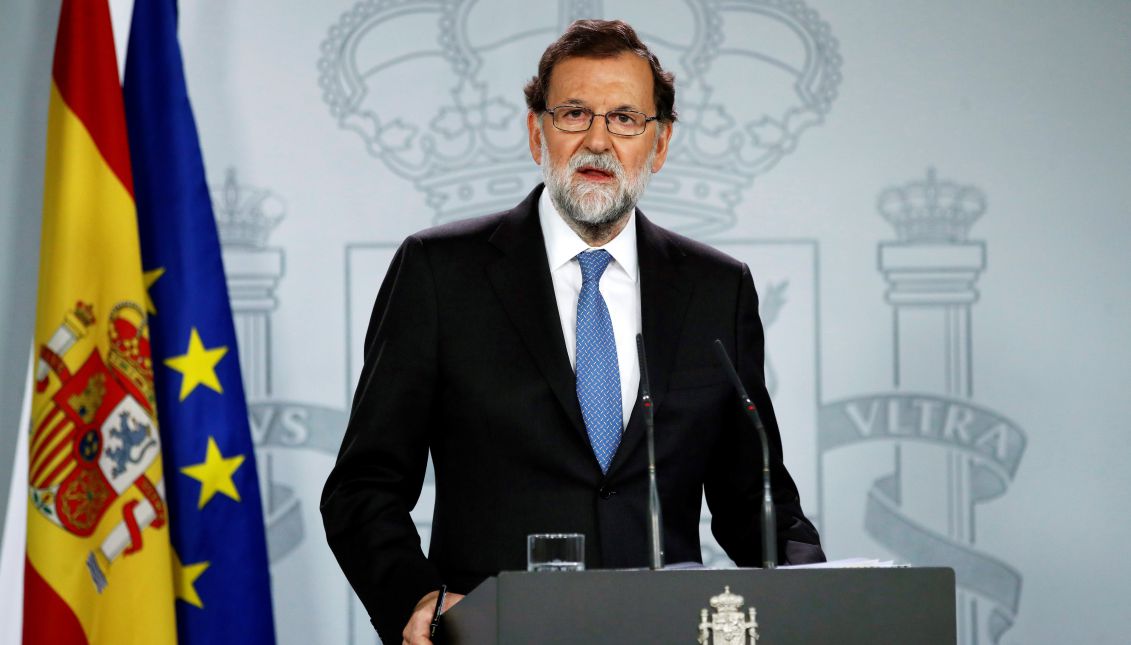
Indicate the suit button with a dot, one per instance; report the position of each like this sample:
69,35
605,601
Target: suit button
606,492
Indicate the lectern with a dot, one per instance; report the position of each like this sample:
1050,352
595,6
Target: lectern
802,606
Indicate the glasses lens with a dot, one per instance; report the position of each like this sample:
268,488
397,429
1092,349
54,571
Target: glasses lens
572,119
629,123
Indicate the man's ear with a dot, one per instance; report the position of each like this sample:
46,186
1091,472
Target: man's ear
534,137
663,136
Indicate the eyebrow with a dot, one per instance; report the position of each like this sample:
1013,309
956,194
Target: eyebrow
585,104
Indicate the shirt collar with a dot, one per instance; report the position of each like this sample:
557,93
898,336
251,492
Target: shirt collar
563,244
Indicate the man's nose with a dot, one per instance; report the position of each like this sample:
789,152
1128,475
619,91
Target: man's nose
597,137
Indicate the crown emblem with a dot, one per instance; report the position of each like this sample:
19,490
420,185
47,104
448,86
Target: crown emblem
84,313
444,108
932,211
129,348
245,215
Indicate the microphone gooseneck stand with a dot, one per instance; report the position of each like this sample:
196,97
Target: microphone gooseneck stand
769,518
655,524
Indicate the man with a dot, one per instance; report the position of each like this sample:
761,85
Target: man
505,346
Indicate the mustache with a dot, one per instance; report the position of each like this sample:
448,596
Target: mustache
604,162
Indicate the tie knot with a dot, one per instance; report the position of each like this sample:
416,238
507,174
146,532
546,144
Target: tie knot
593,264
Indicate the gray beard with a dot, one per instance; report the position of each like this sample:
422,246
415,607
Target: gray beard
594,209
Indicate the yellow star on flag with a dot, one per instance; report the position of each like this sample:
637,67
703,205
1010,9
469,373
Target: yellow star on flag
197,365
149,277
215,474
184,579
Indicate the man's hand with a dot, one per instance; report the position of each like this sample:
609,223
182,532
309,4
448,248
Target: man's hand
416,632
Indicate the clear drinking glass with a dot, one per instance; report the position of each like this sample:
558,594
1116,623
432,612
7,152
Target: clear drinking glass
555,552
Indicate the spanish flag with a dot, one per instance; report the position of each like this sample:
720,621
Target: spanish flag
99,568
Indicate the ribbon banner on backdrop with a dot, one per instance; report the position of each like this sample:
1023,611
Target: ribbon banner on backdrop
220,549
991,444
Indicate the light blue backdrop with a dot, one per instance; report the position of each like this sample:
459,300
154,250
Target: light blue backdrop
932,197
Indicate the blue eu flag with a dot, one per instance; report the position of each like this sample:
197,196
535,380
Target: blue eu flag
216,522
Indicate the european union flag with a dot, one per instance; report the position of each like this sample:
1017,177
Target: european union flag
223,584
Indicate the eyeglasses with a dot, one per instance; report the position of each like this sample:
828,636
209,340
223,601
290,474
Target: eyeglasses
623,123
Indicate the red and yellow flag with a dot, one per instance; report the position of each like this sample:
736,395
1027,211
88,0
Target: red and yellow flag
99,563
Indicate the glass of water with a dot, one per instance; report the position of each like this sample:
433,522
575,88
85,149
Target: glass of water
555,552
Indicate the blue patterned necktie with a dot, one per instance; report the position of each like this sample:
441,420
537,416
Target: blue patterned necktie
598,374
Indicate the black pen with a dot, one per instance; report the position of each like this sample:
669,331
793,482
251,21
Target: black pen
439,610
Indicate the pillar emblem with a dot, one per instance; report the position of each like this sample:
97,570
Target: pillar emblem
949,456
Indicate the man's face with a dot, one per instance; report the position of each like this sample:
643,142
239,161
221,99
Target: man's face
595,177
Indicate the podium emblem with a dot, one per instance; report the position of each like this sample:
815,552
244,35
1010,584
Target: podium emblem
728,625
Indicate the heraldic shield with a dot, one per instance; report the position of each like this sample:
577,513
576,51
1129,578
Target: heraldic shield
97,435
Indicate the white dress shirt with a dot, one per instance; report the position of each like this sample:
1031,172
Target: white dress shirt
620,287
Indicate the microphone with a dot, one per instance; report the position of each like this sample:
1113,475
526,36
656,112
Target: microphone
655,524
769,519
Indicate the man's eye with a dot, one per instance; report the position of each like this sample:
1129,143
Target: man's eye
622,118
575,114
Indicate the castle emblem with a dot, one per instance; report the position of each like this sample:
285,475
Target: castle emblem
728,625
96,436
432,88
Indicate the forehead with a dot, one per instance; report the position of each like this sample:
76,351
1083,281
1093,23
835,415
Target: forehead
603,83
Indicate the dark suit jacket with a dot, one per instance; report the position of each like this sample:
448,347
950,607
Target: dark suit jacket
465,357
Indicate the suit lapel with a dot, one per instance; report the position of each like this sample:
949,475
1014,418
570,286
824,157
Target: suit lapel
665,292
521,280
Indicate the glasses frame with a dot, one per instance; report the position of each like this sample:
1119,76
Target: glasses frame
593,115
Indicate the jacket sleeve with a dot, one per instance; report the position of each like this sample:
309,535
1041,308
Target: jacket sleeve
735,494
379,472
